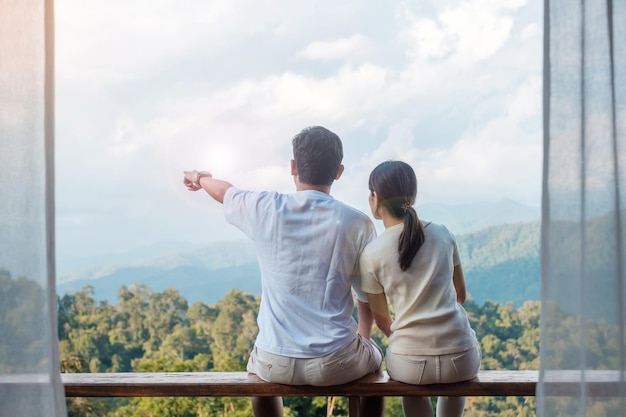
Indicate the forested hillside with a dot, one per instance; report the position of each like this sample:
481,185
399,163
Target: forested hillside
157,331
501,263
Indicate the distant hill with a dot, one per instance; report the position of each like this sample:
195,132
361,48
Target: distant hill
501,264
472,217
204,273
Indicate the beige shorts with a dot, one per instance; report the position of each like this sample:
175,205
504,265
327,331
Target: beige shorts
357,359
423,370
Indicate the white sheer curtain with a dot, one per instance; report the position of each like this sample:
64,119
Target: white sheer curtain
29,363
584,201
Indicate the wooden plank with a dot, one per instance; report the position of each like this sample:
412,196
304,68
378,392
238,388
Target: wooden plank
241,384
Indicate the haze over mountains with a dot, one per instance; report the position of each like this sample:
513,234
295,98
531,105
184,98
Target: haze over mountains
499,244
466,218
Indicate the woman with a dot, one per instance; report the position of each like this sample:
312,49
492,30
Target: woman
416,266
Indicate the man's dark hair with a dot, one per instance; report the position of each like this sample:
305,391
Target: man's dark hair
318,154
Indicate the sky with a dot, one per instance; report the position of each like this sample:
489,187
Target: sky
148,89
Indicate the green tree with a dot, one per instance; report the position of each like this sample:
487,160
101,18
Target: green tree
165,312
234,331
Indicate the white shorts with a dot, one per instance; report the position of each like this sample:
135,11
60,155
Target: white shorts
357,359
439,369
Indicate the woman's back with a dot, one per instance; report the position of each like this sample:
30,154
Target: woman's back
416,267
428,319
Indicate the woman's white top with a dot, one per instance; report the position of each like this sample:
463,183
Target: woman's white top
428,319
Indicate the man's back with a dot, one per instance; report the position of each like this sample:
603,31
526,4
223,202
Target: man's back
308,246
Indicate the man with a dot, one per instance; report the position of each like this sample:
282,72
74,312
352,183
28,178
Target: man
308,246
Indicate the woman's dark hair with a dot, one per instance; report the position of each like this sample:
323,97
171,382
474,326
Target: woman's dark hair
396,186
318,153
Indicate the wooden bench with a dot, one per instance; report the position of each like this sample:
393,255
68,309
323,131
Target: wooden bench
242,384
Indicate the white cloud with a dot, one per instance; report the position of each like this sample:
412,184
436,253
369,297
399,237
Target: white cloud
341,48
428,39
146,91
123,140
530,31
121,40
500,158
503,158
464,32
352,91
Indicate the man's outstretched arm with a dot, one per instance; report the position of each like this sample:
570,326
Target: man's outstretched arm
196,180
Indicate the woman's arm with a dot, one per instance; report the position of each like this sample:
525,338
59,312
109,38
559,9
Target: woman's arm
380,309
365,319
458,277
196,180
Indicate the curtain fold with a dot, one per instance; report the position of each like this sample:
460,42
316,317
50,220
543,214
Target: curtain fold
30,382
583,220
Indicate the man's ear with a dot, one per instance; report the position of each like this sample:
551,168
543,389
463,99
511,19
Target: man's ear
339,172
294,167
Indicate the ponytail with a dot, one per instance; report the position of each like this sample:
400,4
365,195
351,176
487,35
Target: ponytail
412,237
395,185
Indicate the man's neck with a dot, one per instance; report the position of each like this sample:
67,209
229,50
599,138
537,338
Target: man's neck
301,186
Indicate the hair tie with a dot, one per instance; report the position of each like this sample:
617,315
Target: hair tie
406,206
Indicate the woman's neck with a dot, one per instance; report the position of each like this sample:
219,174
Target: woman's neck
389,220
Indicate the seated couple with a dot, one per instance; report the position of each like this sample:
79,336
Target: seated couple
313,250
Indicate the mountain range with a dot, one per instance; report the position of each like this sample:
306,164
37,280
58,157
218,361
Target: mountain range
472,217
499,245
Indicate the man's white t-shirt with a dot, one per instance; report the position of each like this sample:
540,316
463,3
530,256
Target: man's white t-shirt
308,246
428,319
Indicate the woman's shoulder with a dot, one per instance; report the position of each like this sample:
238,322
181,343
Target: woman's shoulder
435,226
437,229
386,241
